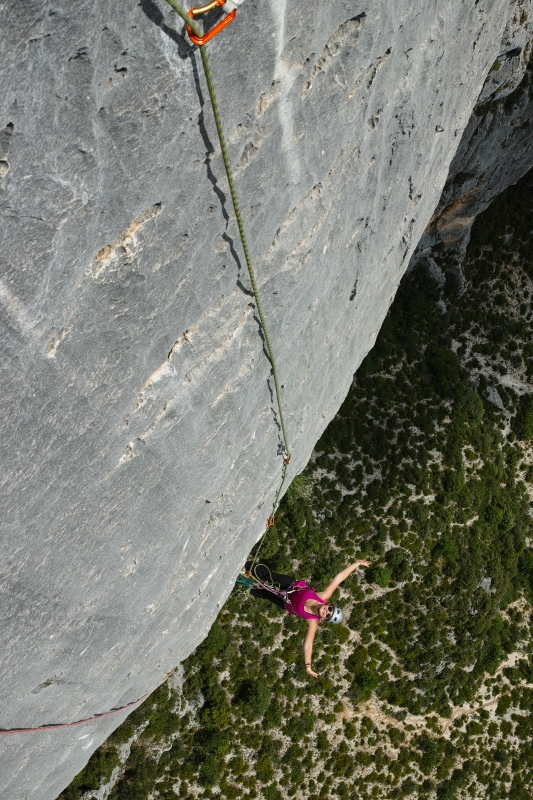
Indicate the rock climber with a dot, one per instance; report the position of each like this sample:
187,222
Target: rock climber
300,599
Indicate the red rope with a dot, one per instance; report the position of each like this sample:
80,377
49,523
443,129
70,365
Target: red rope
57,726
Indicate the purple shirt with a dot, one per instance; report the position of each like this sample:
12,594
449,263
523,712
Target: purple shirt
298,597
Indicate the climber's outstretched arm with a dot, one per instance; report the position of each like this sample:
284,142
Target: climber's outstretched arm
308,646
338,579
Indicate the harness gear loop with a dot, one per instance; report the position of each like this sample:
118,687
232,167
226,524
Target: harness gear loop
195,12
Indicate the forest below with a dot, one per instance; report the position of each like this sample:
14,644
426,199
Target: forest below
427,470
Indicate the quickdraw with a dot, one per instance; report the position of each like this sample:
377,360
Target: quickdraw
195,12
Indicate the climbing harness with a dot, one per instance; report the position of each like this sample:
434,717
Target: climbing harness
251,580
200,38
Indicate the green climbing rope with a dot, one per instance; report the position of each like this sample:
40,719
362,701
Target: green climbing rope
242,232
185,17
238,215
250,579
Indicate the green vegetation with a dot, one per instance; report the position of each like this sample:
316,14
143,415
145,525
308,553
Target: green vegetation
427,692
523,422
98,771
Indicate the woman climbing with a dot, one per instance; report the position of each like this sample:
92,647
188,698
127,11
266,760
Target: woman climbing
299,598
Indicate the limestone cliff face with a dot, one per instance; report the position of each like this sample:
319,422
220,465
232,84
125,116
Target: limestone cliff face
496,148
139,438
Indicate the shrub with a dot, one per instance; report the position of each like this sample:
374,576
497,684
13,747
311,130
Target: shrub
363,684
216,712
447,790
215,641
213,741
523,422
273,716
298,726
209,773
431,751
379,574
453,481
162,722
264,770
254,698
444,368
123,733
398,562
97,771
271,792
300,488
139,777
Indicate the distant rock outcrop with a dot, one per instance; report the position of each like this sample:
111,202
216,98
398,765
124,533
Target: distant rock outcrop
139,439
496,148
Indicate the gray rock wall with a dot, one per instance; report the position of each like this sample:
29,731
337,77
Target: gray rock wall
139,439
496,148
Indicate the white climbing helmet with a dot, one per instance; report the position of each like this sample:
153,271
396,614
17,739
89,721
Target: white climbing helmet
337,616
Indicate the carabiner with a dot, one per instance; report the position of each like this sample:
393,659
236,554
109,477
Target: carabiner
195,12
